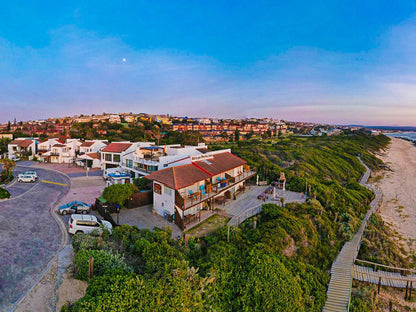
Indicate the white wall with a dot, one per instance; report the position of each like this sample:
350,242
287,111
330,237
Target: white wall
164,201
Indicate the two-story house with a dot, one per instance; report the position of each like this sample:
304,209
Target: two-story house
22,147
148,158
183,191
89,154
112,156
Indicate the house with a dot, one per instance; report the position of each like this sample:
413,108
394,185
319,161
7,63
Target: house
148,158
45,147
112,156
58,152
89,154
91,146
182,192
22,147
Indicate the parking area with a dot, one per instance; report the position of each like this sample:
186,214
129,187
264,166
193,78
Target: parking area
29,236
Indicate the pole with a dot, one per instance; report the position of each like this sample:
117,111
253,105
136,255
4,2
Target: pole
407,289
91,267
379,284
228,234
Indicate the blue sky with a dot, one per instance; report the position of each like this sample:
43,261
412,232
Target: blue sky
321,61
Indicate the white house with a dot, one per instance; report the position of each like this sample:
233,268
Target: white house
182,192
148,158
113,154
22,147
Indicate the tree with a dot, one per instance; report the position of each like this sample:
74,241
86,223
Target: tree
118,193
237,135
7,165
142,183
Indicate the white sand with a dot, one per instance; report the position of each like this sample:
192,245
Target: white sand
399,189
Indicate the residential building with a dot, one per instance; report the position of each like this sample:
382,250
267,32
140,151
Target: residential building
22,147
182,192
148,158
89,154
113,154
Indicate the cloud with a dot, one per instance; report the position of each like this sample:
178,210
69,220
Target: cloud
83,72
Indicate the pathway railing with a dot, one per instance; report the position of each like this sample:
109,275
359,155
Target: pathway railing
339,289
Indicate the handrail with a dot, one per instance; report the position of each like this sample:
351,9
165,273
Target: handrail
385,266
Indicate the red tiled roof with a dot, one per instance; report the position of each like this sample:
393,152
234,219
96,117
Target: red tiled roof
116,147
17,141
219,163
59,141
87,144
58,145
93,155
179,177
25,143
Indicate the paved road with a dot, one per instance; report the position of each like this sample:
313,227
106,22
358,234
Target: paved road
29,236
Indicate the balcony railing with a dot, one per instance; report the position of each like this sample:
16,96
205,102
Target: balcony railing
184,201
147,161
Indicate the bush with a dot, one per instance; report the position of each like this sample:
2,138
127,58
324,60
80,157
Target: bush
104,262
118,193
4,193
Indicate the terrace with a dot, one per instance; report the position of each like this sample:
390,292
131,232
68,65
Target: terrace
186,201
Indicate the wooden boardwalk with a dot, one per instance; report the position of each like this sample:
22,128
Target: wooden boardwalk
339,289
391,279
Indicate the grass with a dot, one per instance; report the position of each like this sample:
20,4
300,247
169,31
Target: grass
208,226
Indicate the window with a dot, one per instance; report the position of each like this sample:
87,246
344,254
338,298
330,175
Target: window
167,191
107,157
116,158
158,189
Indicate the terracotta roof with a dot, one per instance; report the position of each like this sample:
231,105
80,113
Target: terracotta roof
93,155
58,145
17,141
25,143
87,144
59,141
219,163
179,177
116,147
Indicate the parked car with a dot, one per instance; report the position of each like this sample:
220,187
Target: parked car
75,207
29,172
87,224
26,178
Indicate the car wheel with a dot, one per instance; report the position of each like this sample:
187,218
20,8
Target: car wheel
64,212
79,232
84,212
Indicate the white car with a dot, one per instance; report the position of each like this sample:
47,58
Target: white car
26,178
29,173
79,223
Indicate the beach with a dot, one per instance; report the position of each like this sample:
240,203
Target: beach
399,189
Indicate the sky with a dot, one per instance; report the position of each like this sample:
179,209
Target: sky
338,62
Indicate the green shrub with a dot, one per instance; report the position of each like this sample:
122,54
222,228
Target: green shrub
104,262
4,193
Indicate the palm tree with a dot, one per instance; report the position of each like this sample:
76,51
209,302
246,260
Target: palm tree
8,165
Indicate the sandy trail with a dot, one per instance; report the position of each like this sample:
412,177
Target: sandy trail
399,189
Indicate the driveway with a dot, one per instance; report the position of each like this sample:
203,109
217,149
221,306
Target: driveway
29,236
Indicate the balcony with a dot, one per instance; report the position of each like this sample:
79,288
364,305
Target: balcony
185,201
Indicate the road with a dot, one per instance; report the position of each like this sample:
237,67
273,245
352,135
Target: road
29,236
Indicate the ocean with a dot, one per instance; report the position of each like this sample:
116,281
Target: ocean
411,136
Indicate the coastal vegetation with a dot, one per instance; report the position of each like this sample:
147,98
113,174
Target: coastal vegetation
281,264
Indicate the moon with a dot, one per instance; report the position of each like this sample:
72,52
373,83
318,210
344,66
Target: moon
124,60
